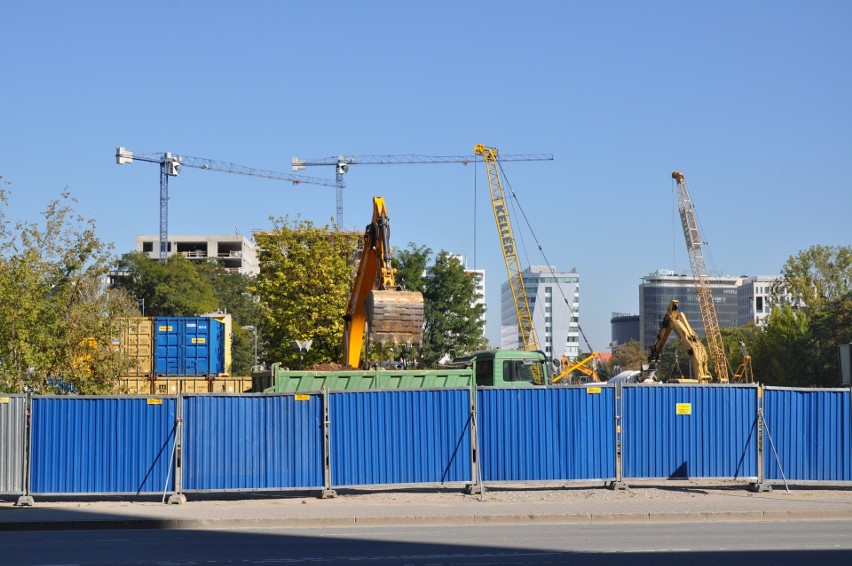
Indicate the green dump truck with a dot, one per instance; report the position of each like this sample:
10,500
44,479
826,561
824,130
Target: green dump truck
493,368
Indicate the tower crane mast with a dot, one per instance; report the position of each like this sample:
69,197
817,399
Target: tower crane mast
170,166
701,278
341,165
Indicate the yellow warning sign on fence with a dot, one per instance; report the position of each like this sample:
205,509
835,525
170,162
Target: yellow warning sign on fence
591,390
303,397
683,409
154,401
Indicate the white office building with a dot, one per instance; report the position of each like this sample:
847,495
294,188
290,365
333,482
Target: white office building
554,300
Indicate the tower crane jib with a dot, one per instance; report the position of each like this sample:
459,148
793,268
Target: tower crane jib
171,164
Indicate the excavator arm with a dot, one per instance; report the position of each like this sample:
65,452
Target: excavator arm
676,320
378,309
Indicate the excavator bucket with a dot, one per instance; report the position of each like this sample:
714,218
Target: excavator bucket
395,317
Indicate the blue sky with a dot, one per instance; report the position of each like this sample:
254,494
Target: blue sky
751,100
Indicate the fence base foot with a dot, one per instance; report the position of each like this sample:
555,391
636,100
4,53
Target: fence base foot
617,485
25,501
327,494
177,499
474,489
759,487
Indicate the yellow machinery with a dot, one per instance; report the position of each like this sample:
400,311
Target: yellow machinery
510,254
379,310
744,373
582,366
676,320
701,277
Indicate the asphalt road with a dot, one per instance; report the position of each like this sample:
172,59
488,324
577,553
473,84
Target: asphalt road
730,543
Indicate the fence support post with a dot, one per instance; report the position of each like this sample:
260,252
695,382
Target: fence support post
327,491
27,500
475,486
178,498
760,485
619,473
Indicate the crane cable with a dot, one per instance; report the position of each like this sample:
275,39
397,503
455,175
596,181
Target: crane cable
517,203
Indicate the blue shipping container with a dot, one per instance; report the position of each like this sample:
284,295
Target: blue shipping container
189,346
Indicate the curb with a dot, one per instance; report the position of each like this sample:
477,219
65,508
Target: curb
420,520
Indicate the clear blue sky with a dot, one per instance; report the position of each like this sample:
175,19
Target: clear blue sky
750,99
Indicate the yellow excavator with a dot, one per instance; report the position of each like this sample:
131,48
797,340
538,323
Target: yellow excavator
676,320
379,310
582,366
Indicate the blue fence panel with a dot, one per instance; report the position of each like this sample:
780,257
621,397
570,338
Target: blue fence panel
811,433
102,444
400,437
686,431
559,433
252,442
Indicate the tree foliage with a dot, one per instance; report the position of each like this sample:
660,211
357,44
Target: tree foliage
57,318
454,321
303,289
410,265
629,356
818,275
173,288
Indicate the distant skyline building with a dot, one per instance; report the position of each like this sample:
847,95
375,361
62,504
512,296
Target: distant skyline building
554,299
754,299
236,252
624,328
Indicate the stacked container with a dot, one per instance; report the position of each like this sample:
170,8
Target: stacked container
179,355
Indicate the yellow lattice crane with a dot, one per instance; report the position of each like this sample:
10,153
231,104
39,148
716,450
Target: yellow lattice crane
701,278
507,243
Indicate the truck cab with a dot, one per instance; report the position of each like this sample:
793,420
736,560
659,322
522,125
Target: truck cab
509,368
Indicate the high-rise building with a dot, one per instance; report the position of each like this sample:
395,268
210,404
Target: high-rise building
554,300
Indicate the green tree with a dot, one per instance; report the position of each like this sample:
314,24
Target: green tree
630,356
57,319
303,287
173,288
410,265
454,321
782,354
817,275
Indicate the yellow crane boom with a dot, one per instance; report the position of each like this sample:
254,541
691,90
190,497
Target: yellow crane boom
701,278
507,243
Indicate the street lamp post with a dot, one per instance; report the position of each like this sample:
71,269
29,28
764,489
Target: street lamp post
301,347
253,329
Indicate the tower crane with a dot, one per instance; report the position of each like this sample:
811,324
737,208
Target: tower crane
170,166
701,278
341,165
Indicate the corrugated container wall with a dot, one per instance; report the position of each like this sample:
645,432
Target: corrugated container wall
137,341
228,330
188,346
13,422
